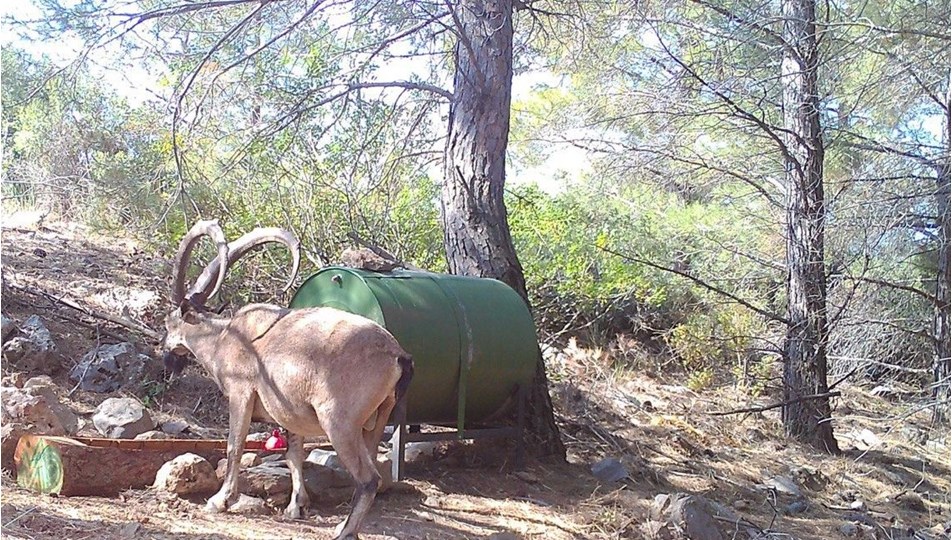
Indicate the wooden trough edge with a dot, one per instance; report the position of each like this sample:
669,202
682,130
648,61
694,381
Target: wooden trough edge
98,466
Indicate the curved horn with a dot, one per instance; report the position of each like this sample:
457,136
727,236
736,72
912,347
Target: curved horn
202,228
238,248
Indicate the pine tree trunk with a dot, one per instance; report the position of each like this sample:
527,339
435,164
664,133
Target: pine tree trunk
805,369
943,348
476,230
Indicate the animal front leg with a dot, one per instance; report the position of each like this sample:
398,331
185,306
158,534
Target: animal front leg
295,458
239,418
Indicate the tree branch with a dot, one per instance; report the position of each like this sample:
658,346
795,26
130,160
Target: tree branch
702,283
885,30
121,321
773,36
763,408
273,40
908,288
770,130
407,85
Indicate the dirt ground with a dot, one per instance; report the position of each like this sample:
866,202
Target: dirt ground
660,430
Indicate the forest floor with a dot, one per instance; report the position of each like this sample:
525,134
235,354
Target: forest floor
892,458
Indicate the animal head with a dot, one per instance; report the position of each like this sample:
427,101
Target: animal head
187,322
175,343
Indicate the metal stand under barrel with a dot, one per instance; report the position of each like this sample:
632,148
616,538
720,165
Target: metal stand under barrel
402,435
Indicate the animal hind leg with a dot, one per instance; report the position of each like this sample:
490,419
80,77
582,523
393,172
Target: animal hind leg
353,453
295,458
239,418
372,436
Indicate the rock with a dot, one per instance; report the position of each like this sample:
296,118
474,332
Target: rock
859,517
40,381
940,530
187,474
325,458
914,435
901,533
122,418
108,368
865,439
504,535
385,468
847,495
609,470
36,330
656,530
527,477
43,386
174,427
939,446
34,350
692,515
327,485
798,506
894,477
809,477
342,478
272,479
258,437
24,412
129,530
151,436
265,481
892,391
248,505
249,459
850,530
858,505
784,485
723,512
420,452
911,501
15,379
621,402
7,326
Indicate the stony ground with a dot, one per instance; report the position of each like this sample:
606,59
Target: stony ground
893,472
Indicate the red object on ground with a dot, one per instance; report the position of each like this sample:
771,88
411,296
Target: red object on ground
275,441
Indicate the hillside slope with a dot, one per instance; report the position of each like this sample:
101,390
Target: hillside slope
894,471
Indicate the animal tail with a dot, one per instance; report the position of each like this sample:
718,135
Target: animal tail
406,375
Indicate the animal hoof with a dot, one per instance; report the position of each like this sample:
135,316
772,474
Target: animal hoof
293,512
348,536
216,506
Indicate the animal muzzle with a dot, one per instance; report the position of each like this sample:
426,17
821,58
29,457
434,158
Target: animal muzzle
174,363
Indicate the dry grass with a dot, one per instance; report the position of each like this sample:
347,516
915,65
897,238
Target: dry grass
670,442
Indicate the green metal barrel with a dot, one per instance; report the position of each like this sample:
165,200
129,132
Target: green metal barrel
472,339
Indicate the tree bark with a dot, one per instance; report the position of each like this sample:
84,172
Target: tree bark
943,348
805,362
476,229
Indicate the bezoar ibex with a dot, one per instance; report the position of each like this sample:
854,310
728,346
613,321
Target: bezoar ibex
315,371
